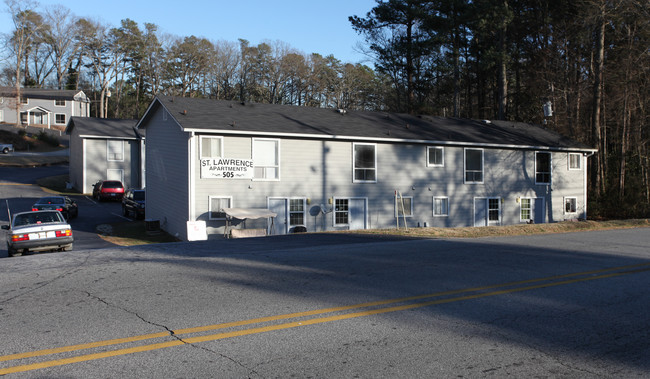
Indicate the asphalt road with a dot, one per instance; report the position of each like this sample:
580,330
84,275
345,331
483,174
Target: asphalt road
18,189
333,306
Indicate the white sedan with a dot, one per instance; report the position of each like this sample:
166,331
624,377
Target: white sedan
38,231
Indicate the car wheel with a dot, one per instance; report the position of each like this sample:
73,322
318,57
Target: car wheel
125,212
67,248
5,150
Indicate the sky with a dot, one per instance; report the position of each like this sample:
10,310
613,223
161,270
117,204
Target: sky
309,26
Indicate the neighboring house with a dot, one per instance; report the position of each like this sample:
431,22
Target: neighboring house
43,107
102,148
326,169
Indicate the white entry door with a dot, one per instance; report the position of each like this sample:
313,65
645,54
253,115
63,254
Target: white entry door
539,211
487,211
280,223
358,214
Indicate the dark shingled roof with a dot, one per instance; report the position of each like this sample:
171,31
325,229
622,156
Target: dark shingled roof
233,117
40,93
103,127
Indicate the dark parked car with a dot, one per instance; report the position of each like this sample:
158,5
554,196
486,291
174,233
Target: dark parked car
63,204
38,231
133,203
108,190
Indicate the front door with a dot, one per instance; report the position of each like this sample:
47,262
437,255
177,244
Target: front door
487,211
358,214
538,210
280,223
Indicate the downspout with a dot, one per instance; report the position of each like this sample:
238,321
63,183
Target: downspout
191,178
584,180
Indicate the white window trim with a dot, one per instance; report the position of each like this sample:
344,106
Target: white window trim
500,209
21,101
443,156
579,162
397,205
210,207
576,202
521,201
334,211
56,105
210,137
465,166
60,114
279,160
304,211
108,156
434,206
550,166
354,145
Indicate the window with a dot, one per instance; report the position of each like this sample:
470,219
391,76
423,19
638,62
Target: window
296,212
493,210
24,100
525,209
570,205
435,156
365,162
59,118
542,168
211,147
341,208
575,161
59,103
115,150
266,158
404,206
441,206
473,166
217,203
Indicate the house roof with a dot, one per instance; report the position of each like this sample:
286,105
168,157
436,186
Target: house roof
92,127
233,117
41,93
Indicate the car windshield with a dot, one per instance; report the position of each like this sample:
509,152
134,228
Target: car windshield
50,200
112,185
36,218
138,195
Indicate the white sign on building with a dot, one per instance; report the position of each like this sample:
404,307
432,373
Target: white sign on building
227,168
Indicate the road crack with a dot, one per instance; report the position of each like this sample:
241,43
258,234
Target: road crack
171,332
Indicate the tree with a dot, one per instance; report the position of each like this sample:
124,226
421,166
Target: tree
393,29
27,25
62,39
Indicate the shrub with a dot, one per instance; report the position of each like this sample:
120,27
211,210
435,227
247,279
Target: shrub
47,138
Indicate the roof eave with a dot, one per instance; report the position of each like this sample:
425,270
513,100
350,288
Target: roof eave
390,140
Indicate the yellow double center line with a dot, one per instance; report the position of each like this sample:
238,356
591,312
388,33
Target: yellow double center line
378,307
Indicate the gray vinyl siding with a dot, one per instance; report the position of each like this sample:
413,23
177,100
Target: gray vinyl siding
322,170
71,108
167,175
97,163
76,173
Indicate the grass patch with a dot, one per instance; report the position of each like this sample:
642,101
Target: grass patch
131,234
56,184
512,230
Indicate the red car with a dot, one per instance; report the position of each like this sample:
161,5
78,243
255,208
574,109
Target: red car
108,190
